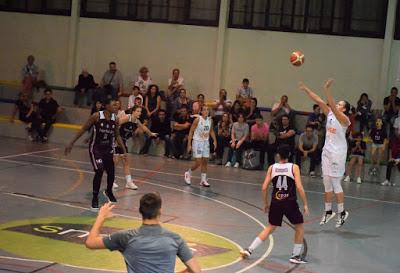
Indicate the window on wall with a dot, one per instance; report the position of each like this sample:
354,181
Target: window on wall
338,17
193,12
397,23
56,7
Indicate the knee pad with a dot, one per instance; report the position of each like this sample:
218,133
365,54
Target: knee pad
328,183
336,184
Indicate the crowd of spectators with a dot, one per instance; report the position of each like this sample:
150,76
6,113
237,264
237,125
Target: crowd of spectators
239,124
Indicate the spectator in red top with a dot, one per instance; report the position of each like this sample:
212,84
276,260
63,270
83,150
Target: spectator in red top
394,159
259,137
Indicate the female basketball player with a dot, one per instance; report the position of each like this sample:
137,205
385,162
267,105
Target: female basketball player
286,179
334,152
129,122
101,148
200,132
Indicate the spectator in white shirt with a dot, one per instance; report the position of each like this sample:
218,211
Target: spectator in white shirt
245,91
30,75
280,109
135,94
175,83
143,80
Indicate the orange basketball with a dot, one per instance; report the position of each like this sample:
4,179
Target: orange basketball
297,58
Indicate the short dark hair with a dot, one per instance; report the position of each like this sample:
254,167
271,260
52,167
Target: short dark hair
394,88
150,205
162,111
283,152
315,106
108,101
285,116
112,63
139,98
309,126
255,99
47,90
200,95
136,87
245,80
136,107
259,116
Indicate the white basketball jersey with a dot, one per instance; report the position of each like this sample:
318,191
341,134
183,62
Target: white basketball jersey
335,140
202,131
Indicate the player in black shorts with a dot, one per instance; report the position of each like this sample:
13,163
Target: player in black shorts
101,148
129,123
285,178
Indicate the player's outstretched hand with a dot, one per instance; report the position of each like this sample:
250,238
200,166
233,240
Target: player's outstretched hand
302,86
67,149
306,211
106,210
154,134
328,83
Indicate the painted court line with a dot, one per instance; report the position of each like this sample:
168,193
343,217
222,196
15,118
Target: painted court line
30,153
222,180
265,255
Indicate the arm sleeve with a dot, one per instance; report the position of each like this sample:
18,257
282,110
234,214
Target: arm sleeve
116,241
184,252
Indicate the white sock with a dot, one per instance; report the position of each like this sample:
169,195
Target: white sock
328,206
256,243
203,176
128,178
297,249
340,207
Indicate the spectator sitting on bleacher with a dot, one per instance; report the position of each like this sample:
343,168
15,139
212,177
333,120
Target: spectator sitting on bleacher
162,126
316,118
285,135
245,91
394,159
30,76
252,112
48,110
239,135
135,94
175,84
143,80
308,147
357,155
396,118
222,105
181,127
144,118
112,81
26,114
223,136
197,105
85,87
364,113
259,137
389,104
280,109
180,101
351,131
378,136
152,101
236,110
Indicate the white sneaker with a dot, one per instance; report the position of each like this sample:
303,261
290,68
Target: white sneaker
115,185
228,164
131,185
327,217
236,165
204,183
312,174
347,179
385,183
187,178
342,218
245,253
359,181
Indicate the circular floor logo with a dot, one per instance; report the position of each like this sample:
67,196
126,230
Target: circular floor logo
61,239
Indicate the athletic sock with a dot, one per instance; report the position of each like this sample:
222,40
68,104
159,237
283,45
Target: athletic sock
190,171
328,206
203,177
256,243
297,249
340,207
128,178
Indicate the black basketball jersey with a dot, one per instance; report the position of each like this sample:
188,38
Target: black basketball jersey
378,135
127,129
104,132
284,186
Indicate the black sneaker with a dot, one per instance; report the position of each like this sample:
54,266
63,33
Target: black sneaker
342,218
297,260
110,196
95,203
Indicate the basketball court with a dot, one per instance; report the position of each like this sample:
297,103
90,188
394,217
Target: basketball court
45,216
